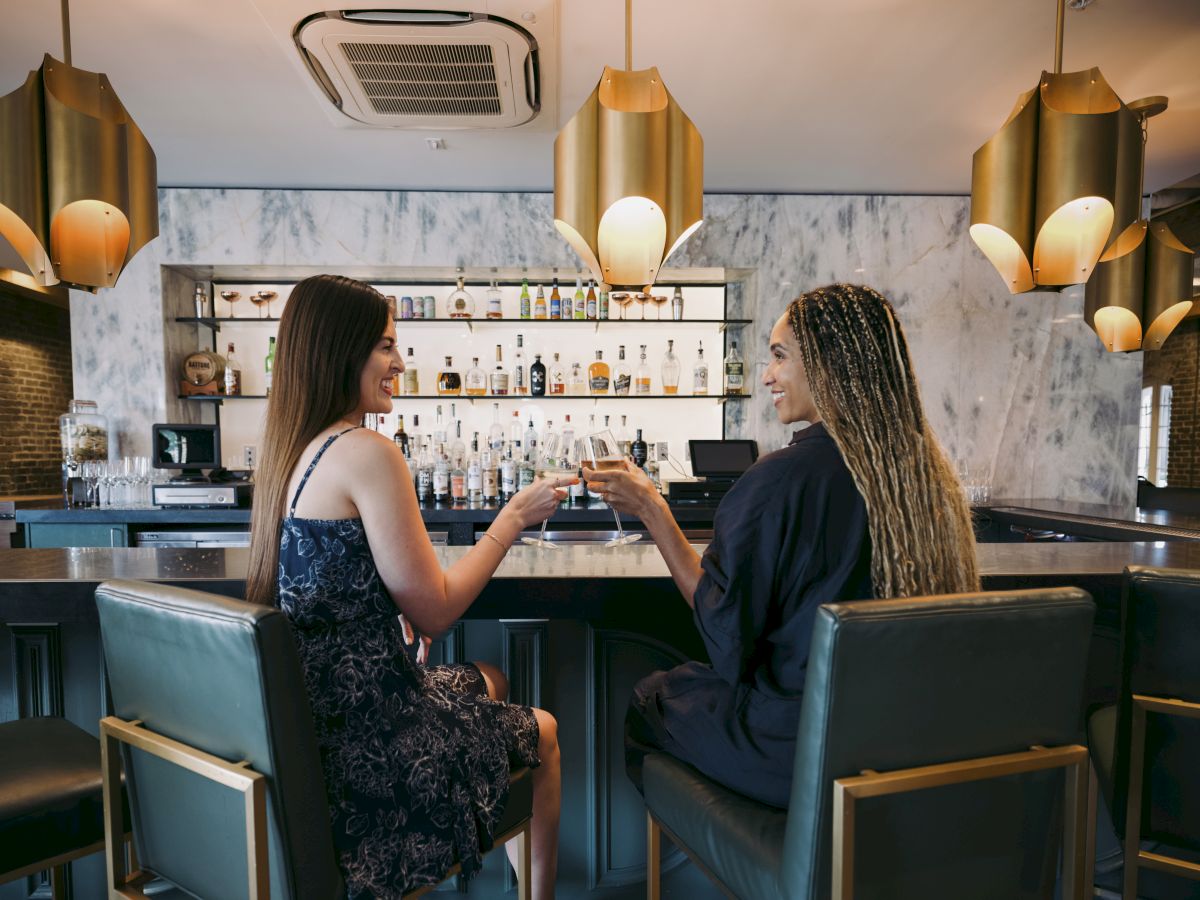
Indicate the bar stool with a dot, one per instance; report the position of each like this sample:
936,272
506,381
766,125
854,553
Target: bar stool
51,810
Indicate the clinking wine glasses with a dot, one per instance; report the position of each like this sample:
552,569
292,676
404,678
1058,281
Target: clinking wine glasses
552,463
602,451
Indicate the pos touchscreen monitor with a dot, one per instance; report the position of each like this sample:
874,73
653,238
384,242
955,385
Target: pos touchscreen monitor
722,459
187,448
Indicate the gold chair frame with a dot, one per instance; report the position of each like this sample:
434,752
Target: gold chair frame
57,866
1135,857
125,882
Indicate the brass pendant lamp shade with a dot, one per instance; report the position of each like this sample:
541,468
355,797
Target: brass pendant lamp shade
78,180
628,177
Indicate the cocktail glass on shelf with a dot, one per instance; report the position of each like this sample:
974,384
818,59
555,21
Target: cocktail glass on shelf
601,451
266,297
549,466
659,301
642,298
622,300
231,297
259,301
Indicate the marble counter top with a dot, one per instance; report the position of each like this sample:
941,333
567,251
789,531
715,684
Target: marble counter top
1094,520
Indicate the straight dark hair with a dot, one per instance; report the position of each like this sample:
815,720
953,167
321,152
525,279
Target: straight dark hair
328,329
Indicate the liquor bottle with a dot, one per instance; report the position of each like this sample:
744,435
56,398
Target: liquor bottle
449,382
568,440
621,377
496,431
537,376
491,475
580,301
547,436
401,437
499,379
233,374
508,475
525,305
425,475
735,377
539,305
412,381
577,386
476,381
555,302
439,430
641,381
592,309
677,304
670,370
700,372
475,473
525,474
441,479
515,431
556,378
458,481
458,450
495,307
598,374
592,495
414,439
602,306
531,443
460,304
623,441
269,365
638,450
519,383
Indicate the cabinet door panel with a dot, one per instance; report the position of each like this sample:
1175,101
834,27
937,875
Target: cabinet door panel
39,535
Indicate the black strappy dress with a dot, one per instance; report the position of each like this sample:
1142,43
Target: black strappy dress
416,758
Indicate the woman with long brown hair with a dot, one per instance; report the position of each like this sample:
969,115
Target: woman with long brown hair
862,503
416,758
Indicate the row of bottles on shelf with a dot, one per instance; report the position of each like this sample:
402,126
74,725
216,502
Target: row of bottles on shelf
491,470
231,377
589,305
599,379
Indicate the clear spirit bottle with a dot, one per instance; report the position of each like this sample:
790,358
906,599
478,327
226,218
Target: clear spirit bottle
622,378
495,304
496,431
700,373
670,370
460,304
735,373
598,375
475,473
520,379
641,383
476,381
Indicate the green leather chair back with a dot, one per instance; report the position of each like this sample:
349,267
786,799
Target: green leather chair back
1160,657
895,684
222,676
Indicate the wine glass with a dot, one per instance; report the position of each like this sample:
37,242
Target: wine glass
622,299
258,300
548,467
603,452
642,297
267,296
231,297
659,301
90,472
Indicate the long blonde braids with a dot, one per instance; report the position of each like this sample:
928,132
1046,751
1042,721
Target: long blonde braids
862,382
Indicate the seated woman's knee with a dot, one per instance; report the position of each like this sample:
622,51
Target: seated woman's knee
497,683
547,730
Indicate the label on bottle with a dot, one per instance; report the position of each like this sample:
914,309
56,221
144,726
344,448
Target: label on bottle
558,387
500,384
270,378
733,376
524,477
700,380
599,384
603,309
233,381
643,385
495,310
555,308
490,483
537,381
424,483
524,306
411,382
508,477
474,478
621,384
458,485
441,483
519,380
591,309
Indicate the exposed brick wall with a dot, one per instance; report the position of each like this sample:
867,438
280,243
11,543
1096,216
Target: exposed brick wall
35,389
1178,364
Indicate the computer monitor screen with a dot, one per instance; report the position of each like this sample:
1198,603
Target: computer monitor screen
722,459
186,447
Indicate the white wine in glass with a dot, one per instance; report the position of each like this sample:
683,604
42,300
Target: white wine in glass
548,467
602,452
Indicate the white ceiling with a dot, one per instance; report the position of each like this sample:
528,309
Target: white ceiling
851,96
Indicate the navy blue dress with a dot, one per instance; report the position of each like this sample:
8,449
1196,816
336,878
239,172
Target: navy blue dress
416,758
789,536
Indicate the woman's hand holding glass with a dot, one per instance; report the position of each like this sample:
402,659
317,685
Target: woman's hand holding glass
538,502
625,488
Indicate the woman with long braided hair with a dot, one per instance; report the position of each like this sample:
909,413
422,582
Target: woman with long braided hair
862,503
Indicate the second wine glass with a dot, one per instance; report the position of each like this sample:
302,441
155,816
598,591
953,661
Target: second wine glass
602,452
549,466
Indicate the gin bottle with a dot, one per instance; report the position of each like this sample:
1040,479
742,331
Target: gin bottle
670,370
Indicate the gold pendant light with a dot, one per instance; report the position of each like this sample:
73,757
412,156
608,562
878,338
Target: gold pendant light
78,180
628,175
1052,189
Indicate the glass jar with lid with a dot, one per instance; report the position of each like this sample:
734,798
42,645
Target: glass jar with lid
83,436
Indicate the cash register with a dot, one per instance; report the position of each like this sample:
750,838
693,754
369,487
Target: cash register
189,450
717,465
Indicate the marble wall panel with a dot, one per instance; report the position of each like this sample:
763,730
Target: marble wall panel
1016,387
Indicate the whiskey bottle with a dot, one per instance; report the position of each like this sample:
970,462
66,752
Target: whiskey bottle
555,302
670,370
641,381
495,306
499,379
539,305
233,374
524,303
412,382
592,309
580,311
639,451
460,304
449,382
621,377
556,379
537,376
476,381
269,365
598,374
735,378
700,373
519,383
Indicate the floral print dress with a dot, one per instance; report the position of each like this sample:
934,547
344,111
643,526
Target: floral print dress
416,758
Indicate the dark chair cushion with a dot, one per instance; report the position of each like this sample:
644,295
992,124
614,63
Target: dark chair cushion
739,839
50,791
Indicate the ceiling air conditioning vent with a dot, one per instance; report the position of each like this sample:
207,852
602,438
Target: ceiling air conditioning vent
421,70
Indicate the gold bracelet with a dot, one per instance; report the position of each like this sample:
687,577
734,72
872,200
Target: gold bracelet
499,543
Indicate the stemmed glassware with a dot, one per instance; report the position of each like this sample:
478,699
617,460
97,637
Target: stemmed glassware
258,300
549,466
660,301
90,472
622,300
265,297
230,297
603,452
642,297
